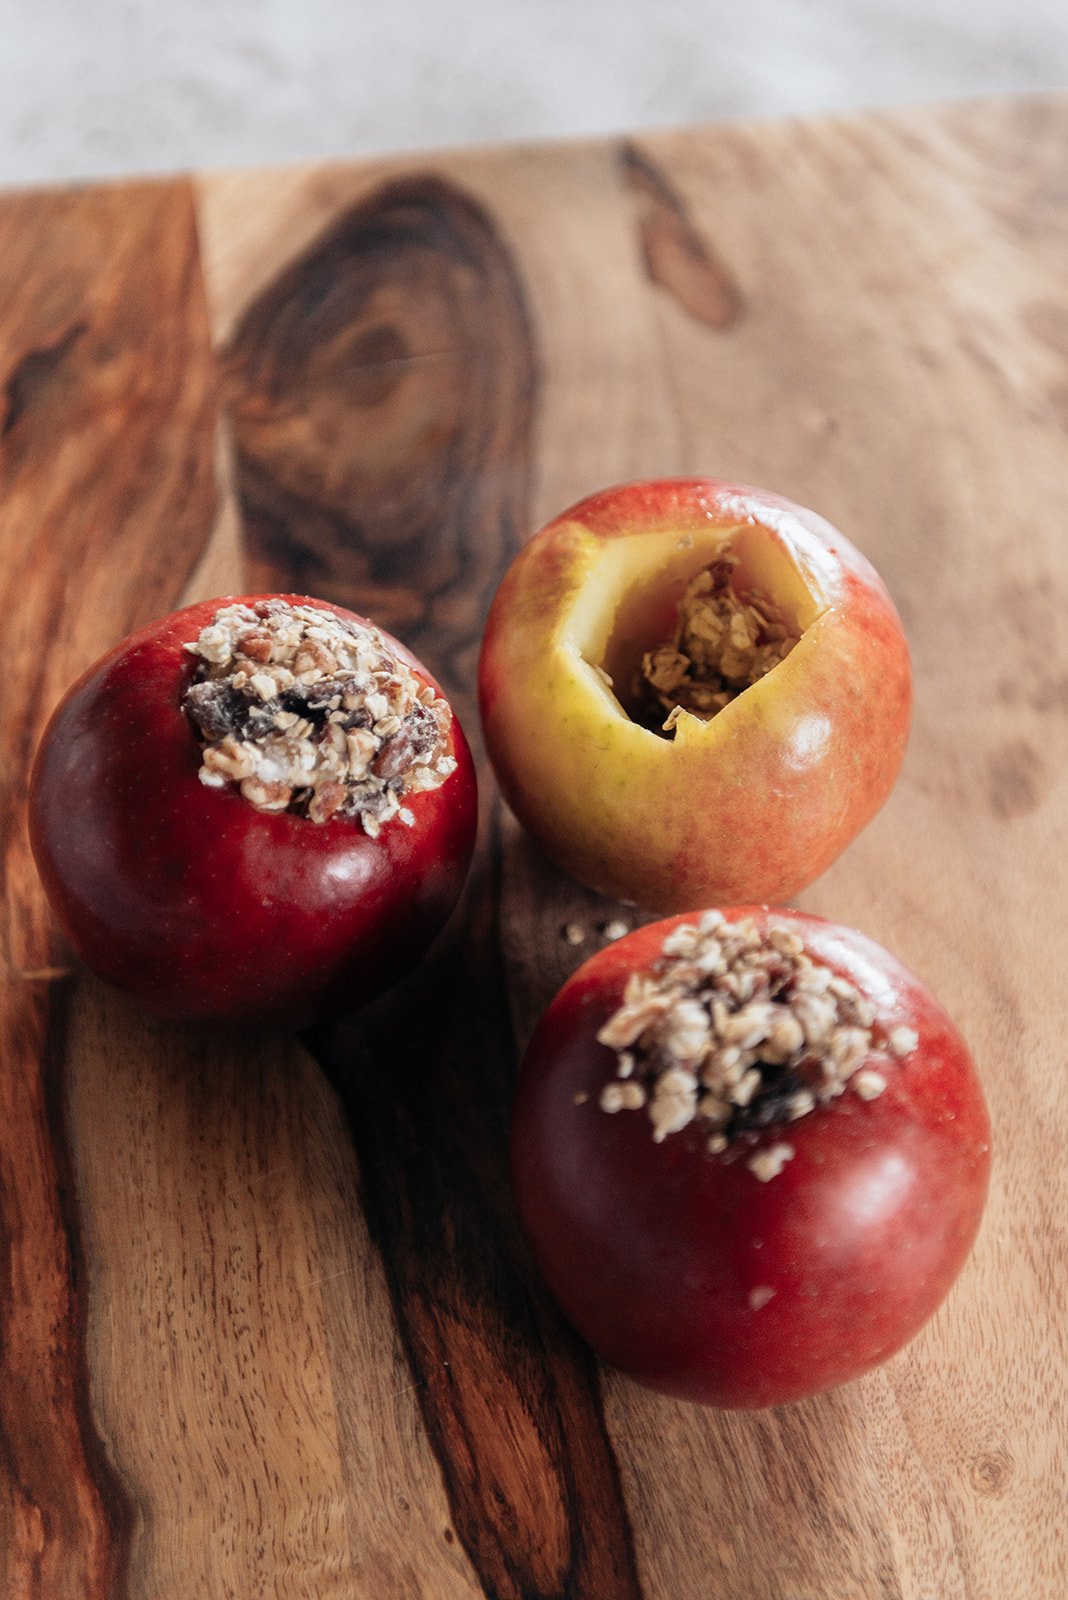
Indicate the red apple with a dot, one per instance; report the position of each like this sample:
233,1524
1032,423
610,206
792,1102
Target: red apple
202,902
749,1248
747,806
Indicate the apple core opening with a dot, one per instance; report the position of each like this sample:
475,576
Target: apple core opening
675,626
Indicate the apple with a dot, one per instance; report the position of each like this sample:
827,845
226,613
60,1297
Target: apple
255,808
750,1153
745,780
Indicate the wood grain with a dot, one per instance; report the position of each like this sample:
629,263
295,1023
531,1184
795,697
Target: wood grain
410,307
107,417
266,1325
678,257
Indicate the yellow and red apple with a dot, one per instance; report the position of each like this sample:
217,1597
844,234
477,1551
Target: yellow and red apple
749,806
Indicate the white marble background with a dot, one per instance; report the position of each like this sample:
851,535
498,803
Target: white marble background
96,87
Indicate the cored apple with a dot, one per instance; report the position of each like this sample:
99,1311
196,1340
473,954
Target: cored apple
751,1154
261,807
694,693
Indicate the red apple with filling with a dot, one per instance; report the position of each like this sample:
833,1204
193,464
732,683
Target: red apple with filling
254,808
746,1201
713,789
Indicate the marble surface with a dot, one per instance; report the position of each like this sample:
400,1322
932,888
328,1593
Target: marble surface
116,86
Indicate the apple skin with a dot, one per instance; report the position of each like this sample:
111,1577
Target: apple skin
653,1250
195,903
748,808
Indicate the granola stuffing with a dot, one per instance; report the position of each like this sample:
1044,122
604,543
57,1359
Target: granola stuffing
311,713
734,1031
722,643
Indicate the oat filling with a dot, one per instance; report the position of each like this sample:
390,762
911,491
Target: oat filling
732,1032
722,643
311,713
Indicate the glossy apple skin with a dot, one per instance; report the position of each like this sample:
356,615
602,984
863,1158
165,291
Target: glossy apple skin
653,1250
195,903
752,809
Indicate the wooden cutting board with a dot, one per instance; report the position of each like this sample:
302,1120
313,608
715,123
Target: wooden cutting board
266,1325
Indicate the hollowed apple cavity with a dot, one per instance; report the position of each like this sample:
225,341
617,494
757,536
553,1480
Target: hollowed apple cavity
680,628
